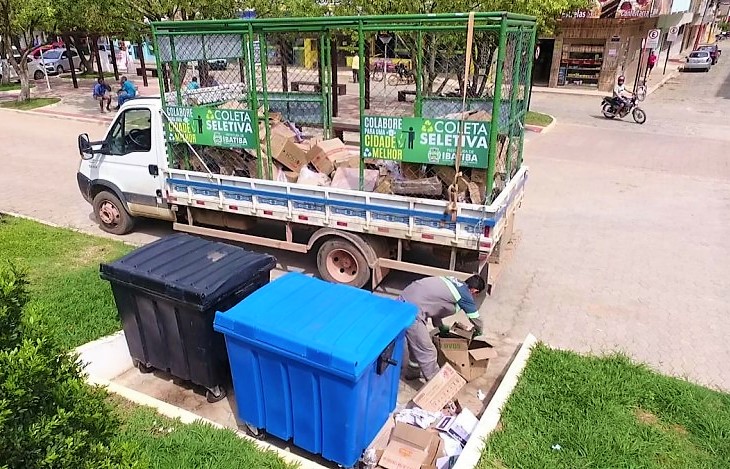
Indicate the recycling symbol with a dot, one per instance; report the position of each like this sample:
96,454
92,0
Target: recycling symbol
209,115
367,153
427,126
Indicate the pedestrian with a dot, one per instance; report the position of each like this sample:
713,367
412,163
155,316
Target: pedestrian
355,65
194,85
437,298
651,62
102,93
127,92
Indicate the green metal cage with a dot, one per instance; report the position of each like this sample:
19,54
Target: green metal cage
391,86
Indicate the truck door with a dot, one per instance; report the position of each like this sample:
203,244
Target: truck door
130,160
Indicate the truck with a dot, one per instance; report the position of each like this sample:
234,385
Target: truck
227,156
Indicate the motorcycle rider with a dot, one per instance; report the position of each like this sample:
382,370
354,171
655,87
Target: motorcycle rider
618,94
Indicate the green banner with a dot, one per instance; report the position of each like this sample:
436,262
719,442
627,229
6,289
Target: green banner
230,128
426,141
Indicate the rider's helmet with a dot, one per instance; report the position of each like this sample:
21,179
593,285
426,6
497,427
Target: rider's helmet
621,80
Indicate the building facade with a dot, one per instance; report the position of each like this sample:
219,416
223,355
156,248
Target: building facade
594,46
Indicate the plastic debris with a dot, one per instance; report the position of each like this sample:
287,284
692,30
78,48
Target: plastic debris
557,447
480,395
418,417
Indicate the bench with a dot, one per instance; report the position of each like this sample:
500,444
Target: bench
402,95
295,85
151,72
340,128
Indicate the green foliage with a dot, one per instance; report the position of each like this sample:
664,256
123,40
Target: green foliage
13,298
607,412
49,416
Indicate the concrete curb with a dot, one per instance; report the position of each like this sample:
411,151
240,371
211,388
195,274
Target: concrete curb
64,116
574,92
539,129
71,228
472,452
663,81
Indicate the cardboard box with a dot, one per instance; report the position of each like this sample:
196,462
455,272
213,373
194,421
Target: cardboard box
352,160
324,153
287,152
469,356
441,389
411,448
349,178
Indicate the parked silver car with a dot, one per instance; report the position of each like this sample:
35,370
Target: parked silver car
699,60
56,61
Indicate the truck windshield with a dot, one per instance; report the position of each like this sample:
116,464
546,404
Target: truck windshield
131,133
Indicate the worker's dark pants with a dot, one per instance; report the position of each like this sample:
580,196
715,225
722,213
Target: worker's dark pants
421,349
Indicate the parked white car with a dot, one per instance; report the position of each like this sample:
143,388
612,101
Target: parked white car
35,69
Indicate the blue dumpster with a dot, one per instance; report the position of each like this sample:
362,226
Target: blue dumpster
316,362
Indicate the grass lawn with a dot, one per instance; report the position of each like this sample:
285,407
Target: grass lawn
607,412
162,443
63,271
32,103
10,87
538,118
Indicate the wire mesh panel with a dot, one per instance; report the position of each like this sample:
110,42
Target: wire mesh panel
388,101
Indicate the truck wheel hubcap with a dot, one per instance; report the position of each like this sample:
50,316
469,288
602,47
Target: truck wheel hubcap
342,266
109,213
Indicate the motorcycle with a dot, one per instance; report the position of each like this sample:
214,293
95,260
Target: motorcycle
610,110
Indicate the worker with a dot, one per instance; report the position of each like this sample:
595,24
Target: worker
437,298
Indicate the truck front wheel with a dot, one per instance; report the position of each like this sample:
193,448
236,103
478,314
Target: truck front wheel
111,214
340,261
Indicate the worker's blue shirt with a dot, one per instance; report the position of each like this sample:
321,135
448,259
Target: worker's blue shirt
193,85
99,90
128,87
466,302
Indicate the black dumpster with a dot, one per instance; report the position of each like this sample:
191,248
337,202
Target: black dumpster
167,293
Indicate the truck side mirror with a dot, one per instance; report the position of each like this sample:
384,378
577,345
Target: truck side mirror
85,149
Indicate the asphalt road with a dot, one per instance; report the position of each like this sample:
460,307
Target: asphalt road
622,235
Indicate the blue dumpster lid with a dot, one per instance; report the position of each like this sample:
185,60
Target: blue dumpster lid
337,327
189,269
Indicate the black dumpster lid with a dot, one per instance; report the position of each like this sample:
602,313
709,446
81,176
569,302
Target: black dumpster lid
189,269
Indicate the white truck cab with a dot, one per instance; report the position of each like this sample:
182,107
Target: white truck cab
121,175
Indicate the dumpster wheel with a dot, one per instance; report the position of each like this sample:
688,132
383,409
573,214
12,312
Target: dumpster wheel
254,432
143,368
216,394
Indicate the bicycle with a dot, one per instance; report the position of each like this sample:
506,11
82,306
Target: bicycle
376,72
402,76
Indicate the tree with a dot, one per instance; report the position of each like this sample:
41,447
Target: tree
86,19
21,18
443,52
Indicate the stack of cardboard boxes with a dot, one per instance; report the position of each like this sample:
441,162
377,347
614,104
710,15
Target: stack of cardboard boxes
433,430
330,163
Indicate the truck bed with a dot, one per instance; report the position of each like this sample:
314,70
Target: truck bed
476,227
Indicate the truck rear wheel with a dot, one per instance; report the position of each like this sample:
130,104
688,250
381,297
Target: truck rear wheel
111,214
340,261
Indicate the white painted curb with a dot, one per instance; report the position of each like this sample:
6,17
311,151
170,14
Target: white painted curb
469,458
550,126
